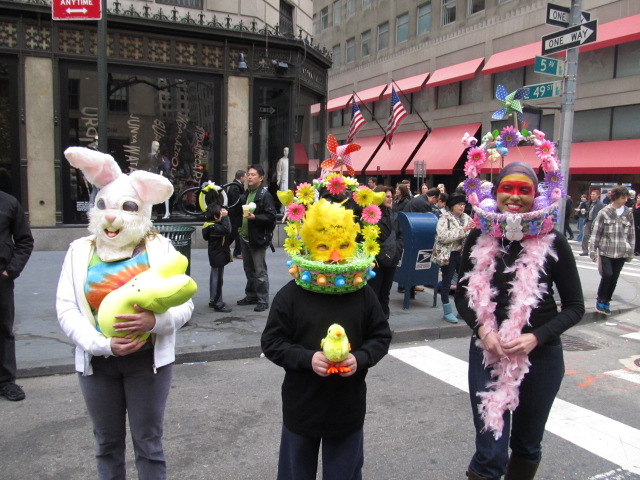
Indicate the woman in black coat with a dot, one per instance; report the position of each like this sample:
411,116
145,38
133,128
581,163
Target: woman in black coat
390,241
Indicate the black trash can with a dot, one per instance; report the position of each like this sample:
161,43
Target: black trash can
180,236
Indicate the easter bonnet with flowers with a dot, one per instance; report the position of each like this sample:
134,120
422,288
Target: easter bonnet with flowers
332,251
496,146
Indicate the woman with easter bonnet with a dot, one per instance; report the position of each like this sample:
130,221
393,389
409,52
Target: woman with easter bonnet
508,270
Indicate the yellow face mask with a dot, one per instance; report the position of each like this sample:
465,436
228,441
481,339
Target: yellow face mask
329,232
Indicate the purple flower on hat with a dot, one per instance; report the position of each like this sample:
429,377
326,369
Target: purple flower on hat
509,136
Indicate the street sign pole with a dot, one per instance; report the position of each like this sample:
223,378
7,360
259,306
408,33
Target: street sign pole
103,94
567,110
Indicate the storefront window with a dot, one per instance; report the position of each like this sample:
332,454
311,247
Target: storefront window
161,123
9,164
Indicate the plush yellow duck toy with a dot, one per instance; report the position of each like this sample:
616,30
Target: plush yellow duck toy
157,289
336,348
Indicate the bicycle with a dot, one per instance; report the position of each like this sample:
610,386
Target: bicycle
192,201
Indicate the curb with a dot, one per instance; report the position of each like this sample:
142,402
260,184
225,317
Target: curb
460,330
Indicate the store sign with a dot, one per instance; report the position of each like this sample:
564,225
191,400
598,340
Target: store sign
76,9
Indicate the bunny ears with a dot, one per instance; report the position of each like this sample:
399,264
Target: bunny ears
101,169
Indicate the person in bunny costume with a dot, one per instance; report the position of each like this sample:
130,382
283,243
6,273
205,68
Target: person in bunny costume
121,375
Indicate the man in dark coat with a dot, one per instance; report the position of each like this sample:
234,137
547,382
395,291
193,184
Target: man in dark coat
16,244
234,192
592,212
423,203
255,236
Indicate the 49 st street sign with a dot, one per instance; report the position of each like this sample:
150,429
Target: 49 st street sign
570,38
76,10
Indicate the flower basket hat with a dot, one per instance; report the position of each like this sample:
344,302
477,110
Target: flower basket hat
494,147
331,249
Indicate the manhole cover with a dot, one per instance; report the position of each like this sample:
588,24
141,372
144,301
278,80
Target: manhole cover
637,362
575,344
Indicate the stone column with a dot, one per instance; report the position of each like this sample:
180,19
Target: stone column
40,131
237,125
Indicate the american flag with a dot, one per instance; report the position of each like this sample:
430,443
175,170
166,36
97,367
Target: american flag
396,114
357,121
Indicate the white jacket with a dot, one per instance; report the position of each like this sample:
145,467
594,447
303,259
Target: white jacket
78,323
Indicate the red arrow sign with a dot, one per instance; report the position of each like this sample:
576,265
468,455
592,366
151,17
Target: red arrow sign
76,10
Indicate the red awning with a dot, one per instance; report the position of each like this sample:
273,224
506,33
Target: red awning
409,85
619,31
369,147
393,161
442,148
525,154
616,156
455,73
338,103
371,94
300,157
514,58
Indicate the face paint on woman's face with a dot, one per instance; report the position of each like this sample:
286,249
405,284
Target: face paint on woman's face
515,194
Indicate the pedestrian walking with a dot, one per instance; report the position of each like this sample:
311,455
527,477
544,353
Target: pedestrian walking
581,213
595,205
451,231
636,222
611,244
568,213
258,222
16,245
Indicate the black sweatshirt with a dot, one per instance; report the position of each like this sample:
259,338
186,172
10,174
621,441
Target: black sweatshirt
318,406
546,322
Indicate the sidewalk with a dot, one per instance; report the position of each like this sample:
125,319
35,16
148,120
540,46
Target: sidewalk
42,348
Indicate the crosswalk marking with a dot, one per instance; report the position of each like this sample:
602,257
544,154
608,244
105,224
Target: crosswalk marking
627,375
612,440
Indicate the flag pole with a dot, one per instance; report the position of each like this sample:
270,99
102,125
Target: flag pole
370,112
416,111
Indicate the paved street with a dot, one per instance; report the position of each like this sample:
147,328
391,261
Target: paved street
223,419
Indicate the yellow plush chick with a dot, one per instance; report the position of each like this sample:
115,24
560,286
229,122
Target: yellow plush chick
329,232
378,197
285,197
157,289
336,348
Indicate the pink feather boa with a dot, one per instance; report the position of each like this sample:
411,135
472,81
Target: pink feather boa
525,293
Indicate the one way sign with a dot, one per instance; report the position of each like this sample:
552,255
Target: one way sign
570,38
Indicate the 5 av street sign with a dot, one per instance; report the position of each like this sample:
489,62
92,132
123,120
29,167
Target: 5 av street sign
542,90
560,16
549,66
76,10
570,38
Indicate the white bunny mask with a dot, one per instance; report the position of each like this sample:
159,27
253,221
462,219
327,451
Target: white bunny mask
121,216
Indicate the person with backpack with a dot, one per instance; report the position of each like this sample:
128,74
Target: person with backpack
216,230
258,222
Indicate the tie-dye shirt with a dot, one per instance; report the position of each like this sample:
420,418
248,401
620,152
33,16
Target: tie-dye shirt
104,277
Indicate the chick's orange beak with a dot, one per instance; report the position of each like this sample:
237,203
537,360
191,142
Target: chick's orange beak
335,256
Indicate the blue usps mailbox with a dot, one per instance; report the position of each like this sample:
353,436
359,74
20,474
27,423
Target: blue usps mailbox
416,268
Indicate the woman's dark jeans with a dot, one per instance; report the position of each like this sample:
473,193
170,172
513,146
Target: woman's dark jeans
524,428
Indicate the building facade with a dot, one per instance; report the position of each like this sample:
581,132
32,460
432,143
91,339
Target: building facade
196,89
447,57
